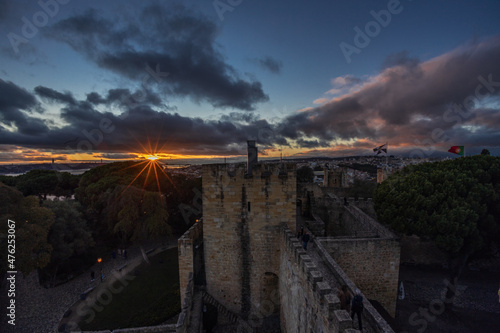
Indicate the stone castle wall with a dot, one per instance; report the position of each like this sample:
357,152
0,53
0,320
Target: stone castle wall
188,255
241,221
308,292
308,303
372,264
366,250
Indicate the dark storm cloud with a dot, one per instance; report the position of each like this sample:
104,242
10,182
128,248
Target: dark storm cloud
311,143
270,64
54,96
125,97
15,97
409,101
455,95
156,42
240,117
88,129
13,101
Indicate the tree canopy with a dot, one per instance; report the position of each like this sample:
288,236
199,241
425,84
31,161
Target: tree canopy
32,225
44,182
456,203
127,199
69,236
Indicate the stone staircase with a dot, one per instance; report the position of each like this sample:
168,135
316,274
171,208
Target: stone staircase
220,308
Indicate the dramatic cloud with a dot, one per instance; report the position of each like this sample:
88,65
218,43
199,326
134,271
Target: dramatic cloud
452,99
87,129
409,103
173,47
13,102
124,97
54,96
270,64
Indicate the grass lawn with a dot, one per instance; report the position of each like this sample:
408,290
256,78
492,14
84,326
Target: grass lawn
149,299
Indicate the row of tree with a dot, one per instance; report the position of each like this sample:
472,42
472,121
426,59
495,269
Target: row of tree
116,204
44,182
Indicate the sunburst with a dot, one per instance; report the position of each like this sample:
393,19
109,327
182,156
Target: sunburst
151,165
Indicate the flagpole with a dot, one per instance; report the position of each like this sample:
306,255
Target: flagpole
386,150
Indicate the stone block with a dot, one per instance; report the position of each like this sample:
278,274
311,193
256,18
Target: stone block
332,303
309,266
342,319
323,288
314,277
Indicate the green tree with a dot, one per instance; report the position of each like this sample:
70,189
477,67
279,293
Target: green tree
137,215
32,224
127,200
44,182
69,236
485,152
38,182
455,203
305,174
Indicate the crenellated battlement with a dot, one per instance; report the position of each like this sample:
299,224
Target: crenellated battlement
309,300
309,282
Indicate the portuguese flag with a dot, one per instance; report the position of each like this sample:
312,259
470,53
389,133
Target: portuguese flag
459,150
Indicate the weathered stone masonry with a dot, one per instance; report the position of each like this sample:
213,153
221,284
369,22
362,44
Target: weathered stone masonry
190,256
308,302
241,221
308,292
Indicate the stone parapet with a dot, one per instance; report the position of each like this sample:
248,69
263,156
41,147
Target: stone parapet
307,299
187,245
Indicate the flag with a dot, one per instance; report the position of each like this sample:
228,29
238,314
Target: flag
459,150
380,149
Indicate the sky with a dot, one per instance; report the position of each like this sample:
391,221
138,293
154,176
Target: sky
190,80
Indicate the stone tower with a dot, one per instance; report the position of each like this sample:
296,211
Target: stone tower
335,178
242,212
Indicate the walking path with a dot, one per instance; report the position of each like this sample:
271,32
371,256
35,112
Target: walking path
40,310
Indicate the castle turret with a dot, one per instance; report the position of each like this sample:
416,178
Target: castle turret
252,158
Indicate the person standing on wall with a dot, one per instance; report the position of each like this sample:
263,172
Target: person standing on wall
305,239
301,232
357,308
345,299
